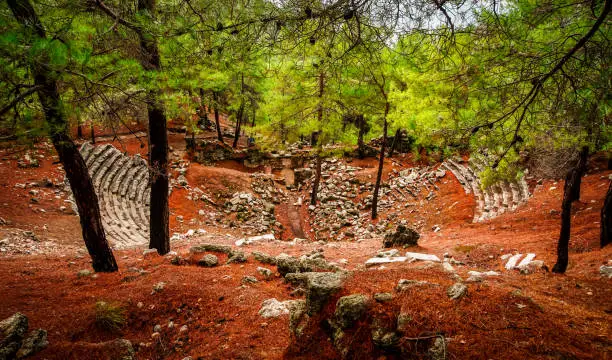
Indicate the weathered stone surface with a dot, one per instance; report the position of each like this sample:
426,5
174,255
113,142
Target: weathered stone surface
226,249
264,258
383,337
349,309
288,264
383,297
209,260
266,273
272,308
249,279
457,291
12,329
320,287
237,257
298,317
403,236
36,341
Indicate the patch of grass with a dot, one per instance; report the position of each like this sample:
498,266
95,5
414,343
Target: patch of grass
110,317
466,249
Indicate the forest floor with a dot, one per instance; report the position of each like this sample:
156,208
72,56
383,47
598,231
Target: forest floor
537,316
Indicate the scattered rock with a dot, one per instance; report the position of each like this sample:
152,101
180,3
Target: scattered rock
266,273
209,260
438,350
249,279
272,308
84,273
12,329
237,257
403,236
605,271
264,258
457,291
405,284
158,287
403,320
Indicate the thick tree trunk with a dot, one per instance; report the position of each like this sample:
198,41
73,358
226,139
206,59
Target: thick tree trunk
158,143
381,163
70,157
606,219
396,139
217,122
571,193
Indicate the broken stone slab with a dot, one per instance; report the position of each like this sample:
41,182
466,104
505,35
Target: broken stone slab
405,284
252,239
528,258
423,257
447,267
272,308
226,249
384,260
476,276
388,253
209,260
512,261
264,258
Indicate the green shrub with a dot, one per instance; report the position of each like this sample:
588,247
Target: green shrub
110,317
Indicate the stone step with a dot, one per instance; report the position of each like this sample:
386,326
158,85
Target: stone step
111,175
140,177
85,151
95,155
119,178
93,169
128,180
105,168
142,187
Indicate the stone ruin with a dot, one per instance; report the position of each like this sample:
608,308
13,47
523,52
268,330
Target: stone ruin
501,197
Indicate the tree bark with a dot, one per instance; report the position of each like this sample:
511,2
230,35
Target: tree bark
239,116
217,122
396,139
159,229
70,157
93,133
606,219
381,163
571,193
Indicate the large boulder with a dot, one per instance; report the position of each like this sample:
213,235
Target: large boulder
36,341
403,236
320,287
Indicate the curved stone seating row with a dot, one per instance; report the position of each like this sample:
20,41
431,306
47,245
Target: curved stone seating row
122,185
493,201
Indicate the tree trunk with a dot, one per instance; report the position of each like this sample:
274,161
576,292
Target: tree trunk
571,193
239,116
93,133
253,121
70,157
315,185
381,163
217,123
158,142
396,139
606,219
80,130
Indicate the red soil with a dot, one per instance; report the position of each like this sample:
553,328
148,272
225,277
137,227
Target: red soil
565,316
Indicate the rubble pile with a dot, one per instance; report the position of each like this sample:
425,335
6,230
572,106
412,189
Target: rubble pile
252,215
263,185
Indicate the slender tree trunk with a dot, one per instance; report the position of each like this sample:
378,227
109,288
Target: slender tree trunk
80,130
93,133
606,219
381,163
217,122
239,116
70,157
315,185
253,120
159,229
396,139
571,193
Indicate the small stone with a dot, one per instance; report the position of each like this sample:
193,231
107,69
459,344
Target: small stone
84,273
249,280
183,329
383,297
209,260
158,287
266,273
438,350
456,291
605,271
403,320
